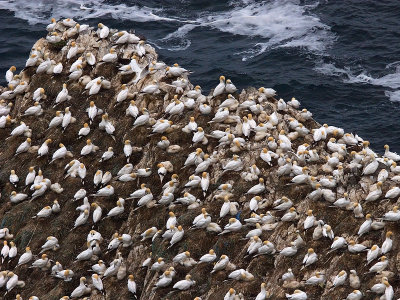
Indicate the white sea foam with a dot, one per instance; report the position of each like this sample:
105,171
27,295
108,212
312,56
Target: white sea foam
40,11
278,23
391,80
176,41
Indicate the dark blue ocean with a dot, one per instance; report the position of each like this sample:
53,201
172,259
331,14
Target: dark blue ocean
341,59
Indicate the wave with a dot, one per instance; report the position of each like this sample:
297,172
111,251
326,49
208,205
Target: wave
40,11
275,24
391,80
278,24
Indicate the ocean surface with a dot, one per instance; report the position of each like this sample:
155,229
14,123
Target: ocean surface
341,59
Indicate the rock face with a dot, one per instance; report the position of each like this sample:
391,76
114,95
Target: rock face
32,232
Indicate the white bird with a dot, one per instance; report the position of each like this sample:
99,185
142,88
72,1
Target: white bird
110,57
366,226
103,31
258,188
310,258
297,295
233,225
63,95
23,147
184,284
339,279
81,290
220,88
387,244
104,192
131,285
26,257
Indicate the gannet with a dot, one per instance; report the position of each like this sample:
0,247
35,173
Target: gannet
375,194
102,31
97,213
81,290
32,60
4,251
19,130
355,248
63,95
84,206
35,110
12,281
143,119
258,188
338,243
119,209
230,87
57,120
389,293
69,22
339,279
67,119
158,265
57,68
297,295
373,253
355,295
104,192
46,64
176,70
387,244
205,109
17,197
60,153
73,50
131,285
392,215
23,147
140,49
328,232
241,274
310,220
82,219
50,27
391,155
5,233
204,182
288,276
289,251
132,109
151,88
41,263
110,57
20,89
366,226
379,266
44,149
26,257
107,154
5,120
317,279
184,284
86,254
177,236
165,280
13,178
76,74
220,88
233,225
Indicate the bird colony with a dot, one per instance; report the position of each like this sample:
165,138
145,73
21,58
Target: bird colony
120,180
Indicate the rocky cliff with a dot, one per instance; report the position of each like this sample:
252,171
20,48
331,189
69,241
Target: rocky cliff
344,159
